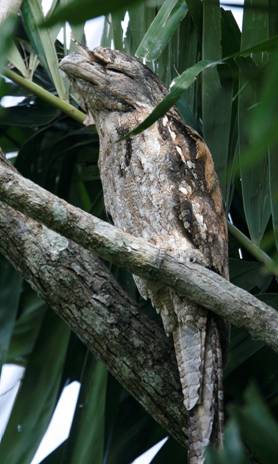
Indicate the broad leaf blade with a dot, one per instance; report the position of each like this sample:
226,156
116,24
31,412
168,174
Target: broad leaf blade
161,30
116,22
248,274
38,394
242,347
78,11
29,113
211,86
264,132
86,443
6,33
17,61
27,327
255,190
273,181
140,19
217,91
43,43
258,428
195,8
10,290
233,452
261,46
188,55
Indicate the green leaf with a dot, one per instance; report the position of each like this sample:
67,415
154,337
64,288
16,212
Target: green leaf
10,290
255,190
130,431
242,347
187,56
116,22
54,31
215,94
195,8
6,34
43,43
27,327
28,113
269,298
38,393
248,274
273,186
229,82
261,46
231,34
17,61
86,443
10,88
107,33
186,114
140,19
78,11
161,30
233,452
180,84
263,130
258,428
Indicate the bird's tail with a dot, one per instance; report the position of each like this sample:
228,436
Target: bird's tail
199,358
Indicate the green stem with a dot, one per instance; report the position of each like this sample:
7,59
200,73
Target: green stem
253,249
62,105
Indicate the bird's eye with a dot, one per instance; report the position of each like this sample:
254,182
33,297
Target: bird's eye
115,69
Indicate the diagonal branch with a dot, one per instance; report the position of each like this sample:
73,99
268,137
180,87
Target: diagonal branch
81,290
196,282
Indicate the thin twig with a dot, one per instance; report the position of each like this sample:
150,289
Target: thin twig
62,105
254,249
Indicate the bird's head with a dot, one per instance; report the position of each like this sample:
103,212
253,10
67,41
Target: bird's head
109,80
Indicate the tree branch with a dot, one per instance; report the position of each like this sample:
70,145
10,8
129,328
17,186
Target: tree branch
196,282
81,290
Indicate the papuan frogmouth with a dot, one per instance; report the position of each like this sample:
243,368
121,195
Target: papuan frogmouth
161,185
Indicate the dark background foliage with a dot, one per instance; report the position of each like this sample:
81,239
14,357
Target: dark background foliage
233,104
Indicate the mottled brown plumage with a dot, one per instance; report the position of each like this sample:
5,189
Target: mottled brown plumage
161,185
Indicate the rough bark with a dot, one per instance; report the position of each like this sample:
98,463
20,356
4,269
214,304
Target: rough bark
198,283
81,290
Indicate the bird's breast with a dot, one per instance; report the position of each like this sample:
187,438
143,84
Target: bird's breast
140,191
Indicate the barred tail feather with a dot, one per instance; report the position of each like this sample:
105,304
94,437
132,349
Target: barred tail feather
199,358
204,404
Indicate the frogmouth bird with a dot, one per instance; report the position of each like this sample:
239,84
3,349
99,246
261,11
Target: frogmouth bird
161,185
